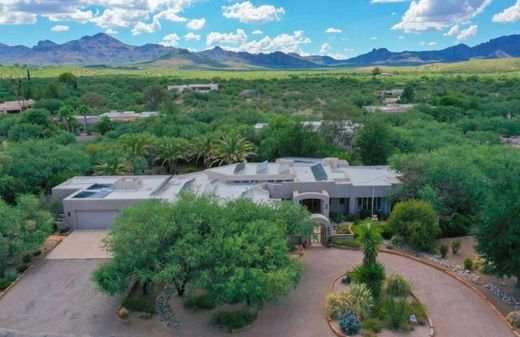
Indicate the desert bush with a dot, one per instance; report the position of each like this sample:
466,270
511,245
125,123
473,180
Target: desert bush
372,324
139,304
27,258
337,303
199,302
372,274
468,264
360,300
397,313
418,309
4,283
37,253
11,275
123,313
349,323
21,268
398,286
455,246
514,318
231,320
443,250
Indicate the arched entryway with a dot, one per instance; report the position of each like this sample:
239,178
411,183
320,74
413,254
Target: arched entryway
322,230
315,202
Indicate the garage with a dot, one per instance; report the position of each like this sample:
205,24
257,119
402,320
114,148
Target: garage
95,219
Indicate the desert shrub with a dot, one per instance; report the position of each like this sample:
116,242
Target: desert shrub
373,275
360,300
139,304
231,320
398,286
37,253
337,303
27,258
443,250
343,229
199,302
397,240
21,268
458,225
418,309
372,324
455,246
468,264
11,275
123,313
349,323
4,283
347,279
514,318
346,243
397,315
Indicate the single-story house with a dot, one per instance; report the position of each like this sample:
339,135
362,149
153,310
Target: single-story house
16,106
327,187
200,88
115,116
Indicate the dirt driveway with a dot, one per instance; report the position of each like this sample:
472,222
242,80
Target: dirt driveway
58,297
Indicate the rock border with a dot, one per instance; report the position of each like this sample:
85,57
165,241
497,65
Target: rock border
338,332
449,273
31,266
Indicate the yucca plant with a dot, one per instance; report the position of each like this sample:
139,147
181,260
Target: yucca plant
371,274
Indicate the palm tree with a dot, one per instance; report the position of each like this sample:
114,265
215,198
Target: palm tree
230,149
136,145
169,151
114,166
200,148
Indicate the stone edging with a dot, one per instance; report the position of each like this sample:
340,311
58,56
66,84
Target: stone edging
15,282
449,273
341,334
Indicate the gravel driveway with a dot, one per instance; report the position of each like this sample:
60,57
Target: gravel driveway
58,297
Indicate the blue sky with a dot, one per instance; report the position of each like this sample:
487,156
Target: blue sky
340,28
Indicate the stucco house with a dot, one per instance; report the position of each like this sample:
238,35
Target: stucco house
325,186
200,88
16,106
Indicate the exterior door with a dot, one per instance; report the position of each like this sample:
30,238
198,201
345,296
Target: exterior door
95,219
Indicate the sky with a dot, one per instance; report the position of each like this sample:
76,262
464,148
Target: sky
339,28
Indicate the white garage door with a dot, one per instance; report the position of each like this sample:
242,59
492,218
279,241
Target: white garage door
95,219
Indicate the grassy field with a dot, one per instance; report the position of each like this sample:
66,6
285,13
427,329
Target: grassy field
503,67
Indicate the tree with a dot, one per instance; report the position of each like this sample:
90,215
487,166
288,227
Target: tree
155,95
498,236
416,222
373,143
230,149
169,151
83,110
66,114
200,149
93,100
376,71
136,145
408,95
68,79
104,125
112,166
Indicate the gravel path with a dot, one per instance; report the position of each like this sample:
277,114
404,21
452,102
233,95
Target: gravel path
58,297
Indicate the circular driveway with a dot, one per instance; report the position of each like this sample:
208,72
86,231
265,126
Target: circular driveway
57,296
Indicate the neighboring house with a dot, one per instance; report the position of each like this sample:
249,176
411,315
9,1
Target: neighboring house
115,116
325,186
390,108
16,106
394,93
201,88
514,141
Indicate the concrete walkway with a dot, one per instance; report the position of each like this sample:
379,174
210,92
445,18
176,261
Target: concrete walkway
456,311
81,244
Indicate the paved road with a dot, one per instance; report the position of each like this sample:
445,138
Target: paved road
58,297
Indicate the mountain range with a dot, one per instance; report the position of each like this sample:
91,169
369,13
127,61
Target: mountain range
103,49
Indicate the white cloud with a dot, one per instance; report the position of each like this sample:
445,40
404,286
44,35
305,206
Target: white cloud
111,31
196,24
325,48
287,43
246,12
141,27
192,37
170,40
333,30
215,38
433,43
60,28
425,15
462,34
373,38
401,37
508,15
257,32
386,1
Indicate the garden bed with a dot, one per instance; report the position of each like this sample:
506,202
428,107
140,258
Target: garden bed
378,324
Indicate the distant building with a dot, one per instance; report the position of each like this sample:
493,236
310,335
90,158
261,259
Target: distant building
514,141
116,116
394,93
326,187
16,106
390,108
201,88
